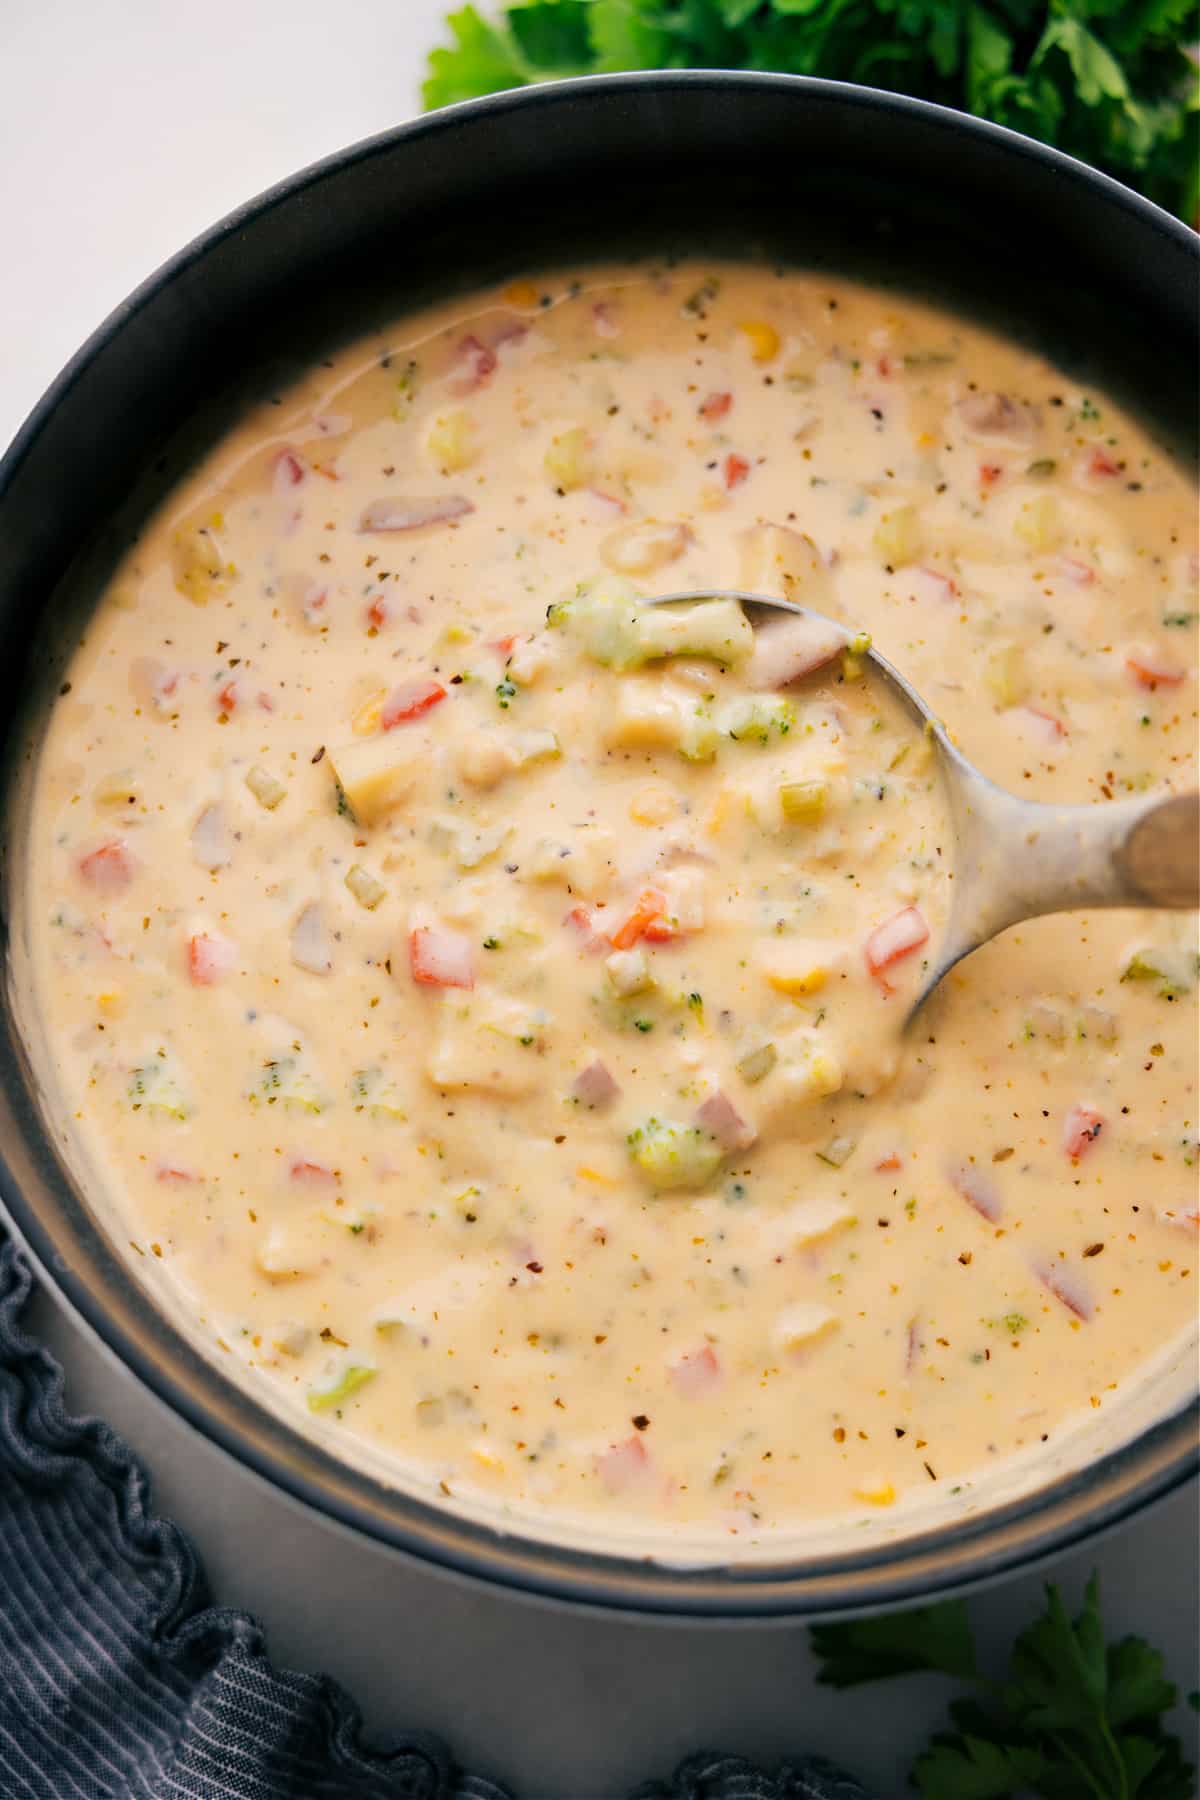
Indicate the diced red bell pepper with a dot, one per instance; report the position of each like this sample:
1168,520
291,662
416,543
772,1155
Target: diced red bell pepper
715,407
897,937
736,470
109,869
210,958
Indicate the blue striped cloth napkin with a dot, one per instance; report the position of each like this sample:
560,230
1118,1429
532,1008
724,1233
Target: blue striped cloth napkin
120,1680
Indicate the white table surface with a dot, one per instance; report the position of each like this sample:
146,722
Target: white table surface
125,127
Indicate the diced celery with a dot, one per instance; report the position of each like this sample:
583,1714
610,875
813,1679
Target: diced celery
838,1151
344,1379
804,802
267,789
363,885
756,1061
674,1156
1005,675
1169,970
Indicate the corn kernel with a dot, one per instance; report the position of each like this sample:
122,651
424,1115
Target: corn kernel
799,981
1038,523
452,442
876,1492
897,537
586,1172
654,804
119,789
111,1004
524,295
762,338
487,1460
568,461
365,719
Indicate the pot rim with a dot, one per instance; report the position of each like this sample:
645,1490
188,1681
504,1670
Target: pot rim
935,1562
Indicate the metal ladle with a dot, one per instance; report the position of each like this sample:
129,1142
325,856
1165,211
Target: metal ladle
1017,859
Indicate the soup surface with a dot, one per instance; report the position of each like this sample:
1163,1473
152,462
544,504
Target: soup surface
483,991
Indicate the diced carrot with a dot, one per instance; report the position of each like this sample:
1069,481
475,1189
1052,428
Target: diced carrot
109,869
1081,1127
209,958
503,646
1046,724
989,474
172,1172
227,698
889,1162
441,958
265,702
883,366
377,612
622,1464
1101,463
411,700
1152,670
897,937
648,919
715,407
1079,574
736,470
937,585
1068,1286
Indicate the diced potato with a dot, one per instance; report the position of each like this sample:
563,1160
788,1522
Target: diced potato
713,628
777,560
802,1324
646,717
674,1156
363,885
838,1151
291,1337
377,774
628,973
1006,675
808,1223
897,537
585,865
1039,523
529,661
534,746
700,739
807,1070
452,442
198,565
484,758
684,892
118,789
804,802
485,1043
643,547
569,461
267,789
287,1254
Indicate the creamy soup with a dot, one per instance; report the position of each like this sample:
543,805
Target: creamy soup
483,992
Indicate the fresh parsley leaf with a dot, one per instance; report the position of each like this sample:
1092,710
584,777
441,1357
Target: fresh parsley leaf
1107,80
1074,1719
935,1637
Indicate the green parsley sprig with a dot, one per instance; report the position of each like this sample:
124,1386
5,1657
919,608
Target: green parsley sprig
1074,1718
1111,81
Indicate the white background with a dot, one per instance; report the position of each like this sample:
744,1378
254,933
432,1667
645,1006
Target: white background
126,126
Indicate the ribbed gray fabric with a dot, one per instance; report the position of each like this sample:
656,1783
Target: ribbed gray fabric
119,1680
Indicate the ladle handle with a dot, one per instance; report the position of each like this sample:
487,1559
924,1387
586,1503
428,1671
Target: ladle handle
1020,859
1159,859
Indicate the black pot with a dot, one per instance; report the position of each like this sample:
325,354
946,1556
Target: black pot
801,171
